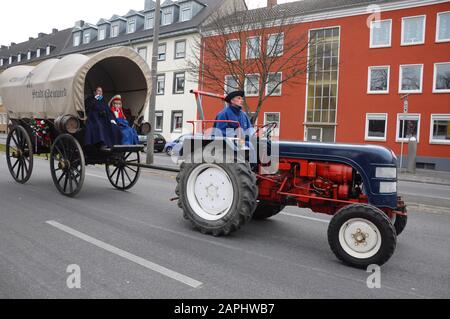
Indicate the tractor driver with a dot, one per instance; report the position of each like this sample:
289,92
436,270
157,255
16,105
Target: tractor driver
233,112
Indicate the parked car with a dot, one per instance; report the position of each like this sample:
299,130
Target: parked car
160,142
175,146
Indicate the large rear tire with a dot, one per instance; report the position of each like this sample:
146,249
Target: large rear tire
19,154
266,210
67,165
217,198
361,235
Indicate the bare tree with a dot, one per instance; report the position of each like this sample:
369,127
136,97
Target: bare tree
251,49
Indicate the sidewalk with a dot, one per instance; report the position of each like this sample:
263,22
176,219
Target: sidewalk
426,176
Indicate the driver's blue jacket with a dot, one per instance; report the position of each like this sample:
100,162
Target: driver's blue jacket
233,113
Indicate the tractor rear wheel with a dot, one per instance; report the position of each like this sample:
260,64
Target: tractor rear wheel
217,198
266,210
361,235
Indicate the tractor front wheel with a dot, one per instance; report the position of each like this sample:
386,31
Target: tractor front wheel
217,198
362,235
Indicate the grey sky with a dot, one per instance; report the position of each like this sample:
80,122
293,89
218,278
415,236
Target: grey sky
21,19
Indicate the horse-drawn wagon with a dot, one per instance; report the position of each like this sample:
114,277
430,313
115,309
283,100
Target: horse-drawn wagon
46,106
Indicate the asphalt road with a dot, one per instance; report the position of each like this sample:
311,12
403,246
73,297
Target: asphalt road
137,245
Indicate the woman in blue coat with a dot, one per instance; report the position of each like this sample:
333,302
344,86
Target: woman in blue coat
129,134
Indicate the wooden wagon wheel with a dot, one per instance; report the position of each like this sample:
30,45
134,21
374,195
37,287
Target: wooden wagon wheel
67,165
19,154
124,173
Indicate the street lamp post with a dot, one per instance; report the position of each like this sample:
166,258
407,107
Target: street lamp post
154,75
405,111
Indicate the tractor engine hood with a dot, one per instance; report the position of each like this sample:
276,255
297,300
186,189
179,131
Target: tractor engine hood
366,159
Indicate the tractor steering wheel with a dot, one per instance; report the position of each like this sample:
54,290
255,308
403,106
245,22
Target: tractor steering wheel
269,129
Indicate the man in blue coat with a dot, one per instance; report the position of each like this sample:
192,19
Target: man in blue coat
233,112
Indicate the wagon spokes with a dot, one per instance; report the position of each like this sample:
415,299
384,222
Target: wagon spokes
123,173
19,154
67,165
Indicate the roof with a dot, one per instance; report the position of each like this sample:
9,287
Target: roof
141,33
57,39
299,8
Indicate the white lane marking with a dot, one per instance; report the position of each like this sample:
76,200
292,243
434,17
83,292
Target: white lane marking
133,258
308,218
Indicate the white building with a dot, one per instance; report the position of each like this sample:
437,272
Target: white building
180,24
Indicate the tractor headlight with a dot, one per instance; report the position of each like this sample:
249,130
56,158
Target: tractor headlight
388,187
386,172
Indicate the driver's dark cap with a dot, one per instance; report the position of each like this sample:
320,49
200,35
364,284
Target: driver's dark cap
232,95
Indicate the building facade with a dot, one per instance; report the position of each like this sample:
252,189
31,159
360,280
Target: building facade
369,57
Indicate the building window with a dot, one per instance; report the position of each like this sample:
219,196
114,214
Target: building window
440,129
1,61
233,50
180,49
19,58
10,60
253,47
186,13
178,82
252,85
76,39
443,27
48,50
114,30
131,26
413,30
376,127
231,84
177,122
323,76
149,20
273,86
143,52
167,17
380,33
38,53
411,78
441,83
102,33
159,121
28,56
162,52
408,125
87,38
161,84
273,117
275,44
378,82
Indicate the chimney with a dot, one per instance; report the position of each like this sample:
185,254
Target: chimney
79,23
30,38
271,3
41,35
12,44
54,31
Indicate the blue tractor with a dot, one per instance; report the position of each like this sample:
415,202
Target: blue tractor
220,190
